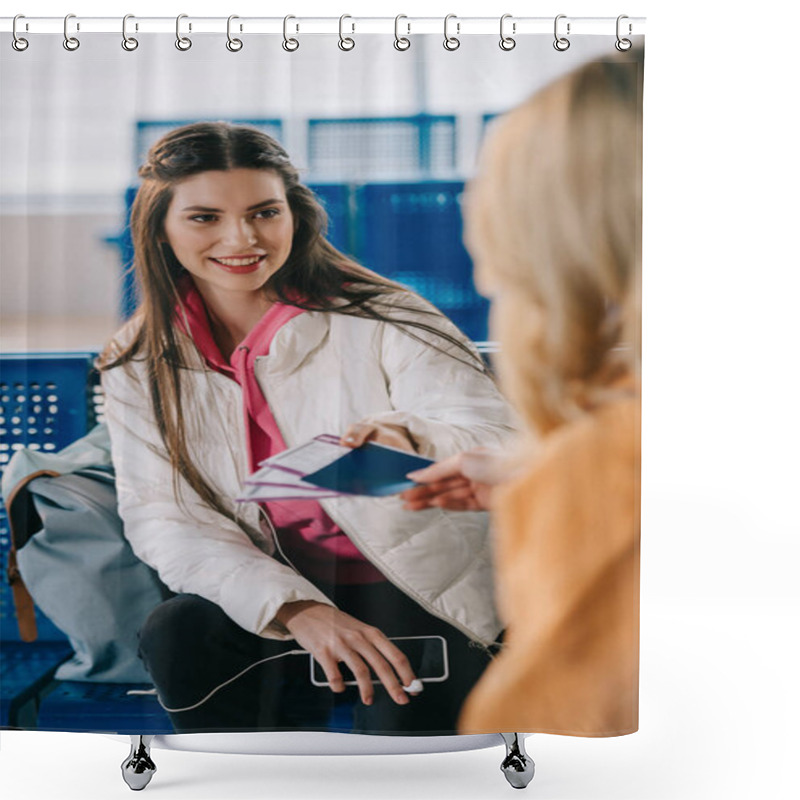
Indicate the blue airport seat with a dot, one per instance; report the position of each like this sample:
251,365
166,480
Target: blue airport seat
128,293
382,148
47,401
412,233
405,215
336,200
26,672
80,706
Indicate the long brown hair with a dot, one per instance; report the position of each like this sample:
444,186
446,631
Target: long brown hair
316,276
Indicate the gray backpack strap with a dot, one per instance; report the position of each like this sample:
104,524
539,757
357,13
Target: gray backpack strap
90,451
23,522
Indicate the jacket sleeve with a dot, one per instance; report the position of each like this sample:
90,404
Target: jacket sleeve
446,404
193,548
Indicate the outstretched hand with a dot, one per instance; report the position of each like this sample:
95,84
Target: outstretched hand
463,482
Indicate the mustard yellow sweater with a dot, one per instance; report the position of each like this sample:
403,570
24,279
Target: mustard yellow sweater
567,567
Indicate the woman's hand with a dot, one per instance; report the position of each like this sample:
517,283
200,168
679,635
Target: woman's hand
462,482
332,636
391,435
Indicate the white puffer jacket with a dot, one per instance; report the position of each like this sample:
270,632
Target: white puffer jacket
325,371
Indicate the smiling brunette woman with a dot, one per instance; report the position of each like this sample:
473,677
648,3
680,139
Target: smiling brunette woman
231,251
254,334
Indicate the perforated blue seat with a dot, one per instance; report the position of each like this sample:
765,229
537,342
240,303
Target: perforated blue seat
91,707
412,232
47,401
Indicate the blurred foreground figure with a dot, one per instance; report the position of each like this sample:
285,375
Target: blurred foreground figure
553,222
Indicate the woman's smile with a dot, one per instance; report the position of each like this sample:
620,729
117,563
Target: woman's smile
231,229
239,265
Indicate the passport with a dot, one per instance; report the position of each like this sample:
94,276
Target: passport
372,469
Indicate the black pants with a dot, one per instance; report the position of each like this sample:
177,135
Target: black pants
190,646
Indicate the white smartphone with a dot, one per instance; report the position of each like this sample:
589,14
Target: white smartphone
426,654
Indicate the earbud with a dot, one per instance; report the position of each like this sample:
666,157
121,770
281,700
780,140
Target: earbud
414,686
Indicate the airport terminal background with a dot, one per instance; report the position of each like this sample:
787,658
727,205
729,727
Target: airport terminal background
390,168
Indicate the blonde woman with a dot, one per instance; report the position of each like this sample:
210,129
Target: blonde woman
553,224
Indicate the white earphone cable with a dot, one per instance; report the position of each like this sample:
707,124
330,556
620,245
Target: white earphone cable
221,685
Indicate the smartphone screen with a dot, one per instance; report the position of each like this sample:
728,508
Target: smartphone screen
426,654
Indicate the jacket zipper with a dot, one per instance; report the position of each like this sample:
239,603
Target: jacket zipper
387,573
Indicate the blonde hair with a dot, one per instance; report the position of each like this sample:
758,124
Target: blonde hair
553,222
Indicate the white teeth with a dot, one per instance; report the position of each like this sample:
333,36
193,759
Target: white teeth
238,262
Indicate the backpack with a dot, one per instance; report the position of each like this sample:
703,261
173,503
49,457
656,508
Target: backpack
70,557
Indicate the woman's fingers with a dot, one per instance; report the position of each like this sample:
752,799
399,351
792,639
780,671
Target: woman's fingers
480,465
460,499
362,675
400,666
462,482
452,501
440,471
392,435
489,467
389,664
427,495
330,666
357,435
385,671
432,489
334,637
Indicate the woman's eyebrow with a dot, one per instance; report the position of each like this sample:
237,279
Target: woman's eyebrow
271,202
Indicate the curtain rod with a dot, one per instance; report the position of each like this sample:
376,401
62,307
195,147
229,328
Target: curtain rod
460,26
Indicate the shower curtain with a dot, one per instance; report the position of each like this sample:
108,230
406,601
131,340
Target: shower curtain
187,586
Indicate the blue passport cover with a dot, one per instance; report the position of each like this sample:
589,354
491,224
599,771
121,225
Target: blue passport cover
369,470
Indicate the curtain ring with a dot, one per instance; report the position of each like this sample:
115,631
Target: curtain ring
507,42
345,42
401,42
623,44
561,43
70,42
18,43
234,45
128,42
451,42
289,45
182,42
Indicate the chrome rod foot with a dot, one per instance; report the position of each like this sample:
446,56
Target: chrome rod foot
517,766
138,768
